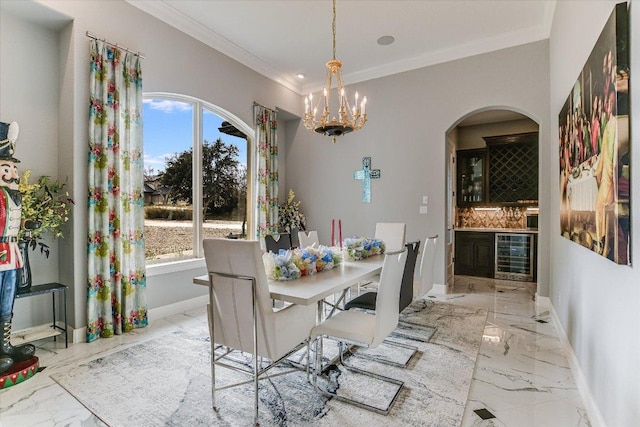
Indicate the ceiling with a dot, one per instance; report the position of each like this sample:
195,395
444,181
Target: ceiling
281,39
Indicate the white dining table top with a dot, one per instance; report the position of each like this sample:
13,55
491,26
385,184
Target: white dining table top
308,290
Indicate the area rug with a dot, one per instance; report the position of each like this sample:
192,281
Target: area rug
167,381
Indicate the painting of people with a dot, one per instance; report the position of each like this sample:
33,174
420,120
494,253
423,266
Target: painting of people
594,147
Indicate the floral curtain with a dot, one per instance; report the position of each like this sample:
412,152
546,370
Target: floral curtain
267,143
116,299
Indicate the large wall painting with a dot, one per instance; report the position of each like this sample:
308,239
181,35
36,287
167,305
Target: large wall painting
594,147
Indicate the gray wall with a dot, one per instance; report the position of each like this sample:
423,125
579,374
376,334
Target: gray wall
596,300
409,115
29,92
50,80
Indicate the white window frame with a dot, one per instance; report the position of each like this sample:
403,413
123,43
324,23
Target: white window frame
199,106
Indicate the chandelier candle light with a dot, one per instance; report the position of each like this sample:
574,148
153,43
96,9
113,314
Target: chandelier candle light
349,118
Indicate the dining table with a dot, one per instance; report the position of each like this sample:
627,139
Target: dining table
315,288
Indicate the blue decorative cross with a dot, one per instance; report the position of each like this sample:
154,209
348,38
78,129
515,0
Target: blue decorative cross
366,175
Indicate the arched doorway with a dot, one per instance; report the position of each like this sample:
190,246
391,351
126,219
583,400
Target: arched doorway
492,191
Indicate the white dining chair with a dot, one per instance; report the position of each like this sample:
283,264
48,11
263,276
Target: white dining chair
392,234
424,284
241,316
368,300
308,238
364,329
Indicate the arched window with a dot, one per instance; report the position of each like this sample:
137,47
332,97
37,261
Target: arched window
187,141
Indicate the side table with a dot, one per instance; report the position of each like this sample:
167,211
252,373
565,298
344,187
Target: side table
53,289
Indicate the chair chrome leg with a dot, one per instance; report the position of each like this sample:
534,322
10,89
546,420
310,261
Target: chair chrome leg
318,368
389,362
213,377
308,359
255,390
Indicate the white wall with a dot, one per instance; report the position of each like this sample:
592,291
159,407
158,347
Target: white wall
409,115
597,301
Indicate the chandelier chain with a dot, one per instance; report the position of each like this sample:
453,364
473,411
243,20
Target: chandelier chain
333,29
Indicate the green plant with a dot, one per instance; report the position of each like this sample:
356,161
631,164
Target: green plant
45,209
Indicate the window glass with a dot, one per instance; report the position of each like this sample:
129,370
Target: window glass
185,140
224,178
168,155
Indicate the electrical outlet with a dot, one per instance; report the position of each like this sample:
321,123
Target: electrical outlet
424,210
425,200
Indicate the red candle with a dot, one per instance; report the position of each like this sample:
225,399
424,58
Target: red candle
340,231
333,223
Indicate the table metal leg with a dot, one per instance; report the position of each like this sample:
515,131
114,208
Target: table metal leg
53,304
66,326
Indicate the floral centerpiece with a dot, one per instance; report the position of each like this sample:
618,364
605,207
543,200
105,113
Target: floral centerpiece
289,215
295,263
45,209
362,247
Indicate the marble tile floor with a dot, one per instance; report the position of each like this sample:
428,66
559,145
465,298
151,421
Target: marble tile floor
521,376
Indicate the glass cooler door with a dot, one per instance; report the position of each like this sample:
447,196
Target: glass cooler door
514,256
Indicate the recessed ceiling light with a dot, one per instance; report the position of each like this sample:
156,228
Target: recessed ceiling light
386,40
300,76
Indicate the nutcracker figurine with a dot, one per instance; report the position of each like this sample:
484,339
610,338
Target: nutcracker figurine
10,259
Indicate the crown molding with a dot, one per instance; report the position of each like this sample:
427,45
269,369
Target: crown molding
502,41
168,14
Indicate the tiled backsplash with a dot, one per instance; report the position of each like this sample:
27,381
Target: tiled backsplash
506,217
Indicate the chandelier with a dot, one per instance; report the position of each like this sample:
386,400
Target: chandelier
348,118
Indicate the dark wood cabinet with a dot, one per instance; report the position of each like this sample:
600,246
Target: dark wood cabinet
513,169
474,253
472,173
503,174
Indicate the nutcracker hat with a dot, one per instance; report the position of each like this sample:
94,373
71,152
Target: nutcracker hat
8,136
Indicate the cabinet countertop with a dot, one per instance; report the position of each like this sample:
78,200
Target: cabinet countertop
499,230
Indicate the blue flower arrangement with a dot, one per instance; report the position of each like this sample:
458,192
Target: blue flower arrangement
295,263
362,247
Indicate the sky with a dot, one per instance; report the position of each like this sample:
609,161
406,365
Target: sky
168,130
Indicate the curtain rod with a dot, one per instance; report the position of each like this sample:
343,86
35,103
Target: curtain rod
255,104
139,54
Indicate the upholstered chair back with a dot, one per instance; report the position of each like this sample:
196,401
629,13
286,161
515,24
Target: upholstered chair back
388,295
425,281
406,289
233,298
308,238
392,234
275,242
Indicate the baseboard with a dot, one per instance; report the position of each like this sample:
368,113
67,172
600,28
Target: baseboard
595,417
177,308
542,303
438,289
80,335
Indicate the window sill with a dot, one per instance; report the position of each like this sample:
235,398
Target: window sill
175,266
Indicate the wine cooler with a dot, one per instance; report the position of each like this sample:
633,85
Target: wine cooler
514,257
